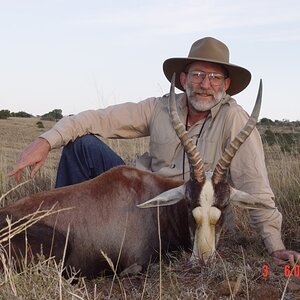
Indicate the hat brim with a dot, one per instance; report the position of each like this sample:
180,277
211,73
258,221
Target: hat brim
239,76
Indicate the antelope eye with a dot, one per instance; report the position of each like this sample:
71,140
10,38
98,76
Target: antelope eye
214,215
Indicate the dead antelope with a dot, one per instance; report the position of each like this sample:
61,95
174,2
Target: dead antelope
103,214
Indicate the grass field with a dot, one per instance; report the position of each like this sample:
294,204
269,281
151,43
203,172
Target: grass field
237,273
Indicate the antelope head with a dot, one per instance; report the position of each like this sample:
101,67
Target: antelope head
208,194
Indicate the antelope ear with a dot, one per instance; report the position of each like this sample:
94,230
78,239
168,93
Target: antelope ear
167,198
247,201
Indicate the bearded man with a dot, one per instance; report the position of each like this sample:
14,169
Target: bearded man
212,117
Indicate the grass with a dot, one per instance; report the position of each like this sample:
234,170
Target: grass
237,272
284,176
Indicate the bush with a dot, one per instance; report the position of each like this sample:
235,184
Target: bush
40,124
286,141
53,115
269,137
4,114
266,121
21,114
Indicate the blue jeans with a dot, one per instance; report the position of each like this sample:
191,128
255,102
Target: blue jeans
84,159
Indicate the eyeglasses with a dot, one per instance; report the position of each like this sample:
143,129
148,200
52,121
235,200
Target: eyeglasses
215,79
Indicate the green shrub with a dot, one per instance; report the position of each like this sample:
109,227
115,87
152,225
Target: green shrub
266,121
21,114
4,114
53,115
40,124
288,142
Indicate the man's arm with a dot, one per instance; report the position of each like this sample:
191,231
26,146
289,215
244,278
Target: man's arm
128,120
248,173
282,257
34,154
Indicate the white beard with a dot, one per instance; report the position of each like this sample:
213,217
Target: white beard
201,106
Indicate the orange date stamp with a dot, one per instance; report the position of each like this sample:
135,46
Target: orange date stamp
288,271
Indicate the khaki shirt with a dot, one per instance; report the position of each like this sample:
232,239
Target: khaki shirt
151,118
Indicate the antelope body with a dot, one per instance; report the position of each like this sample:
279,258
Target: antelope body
103,216
105,213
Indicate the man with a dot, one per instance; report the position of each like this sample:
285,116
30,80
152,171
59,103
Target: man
212,119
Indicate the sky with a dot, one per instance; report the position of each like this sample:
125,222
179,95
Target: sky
77,55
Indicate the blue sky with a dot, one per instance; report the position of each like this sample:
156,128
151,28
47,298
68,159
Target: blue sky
78,55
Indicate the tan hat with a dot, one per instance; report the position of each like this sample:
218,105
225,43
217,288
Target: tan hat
210,50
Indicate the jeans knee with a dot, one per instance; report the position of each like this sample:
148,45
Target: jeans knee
88,143
88,140
85,158
93,149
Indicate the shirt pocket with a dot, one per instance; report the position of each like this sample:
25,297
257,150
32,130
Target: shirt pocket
209,153
163,148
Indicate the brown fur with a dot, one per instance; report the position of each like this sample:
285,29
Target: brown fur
103,212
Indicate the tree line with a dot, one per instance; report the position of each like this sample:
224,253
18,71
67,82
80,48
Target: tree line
53,115
273,135
289,142
278,123
56,114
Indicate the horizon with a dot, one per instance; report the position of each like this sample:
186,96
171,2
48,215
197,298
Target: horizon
75,56
64,115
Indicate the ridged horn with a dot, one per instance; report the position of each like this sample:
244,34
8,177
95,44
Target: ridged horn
196,164
227,156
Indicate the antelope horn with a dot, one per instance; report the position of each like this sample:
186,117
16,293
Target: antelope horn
233,147
196,164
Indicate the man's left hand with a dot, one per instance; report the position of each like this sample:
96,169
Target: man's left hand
282,257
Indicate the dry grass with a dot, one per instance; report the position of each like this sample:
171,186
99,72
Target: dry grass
15,134
236,273
284,175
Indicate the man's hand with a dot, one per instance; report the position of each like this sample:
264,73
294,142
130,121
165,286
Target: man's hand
282,257
34,154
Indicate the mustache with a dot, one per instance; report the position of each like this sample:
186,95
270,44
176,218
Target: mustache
205,92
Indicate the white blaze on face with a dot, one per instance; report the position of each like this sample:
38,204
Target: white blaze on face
206,216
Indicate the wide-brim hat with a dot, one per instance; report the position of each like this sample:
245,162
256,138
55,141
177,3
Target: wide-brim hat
211,50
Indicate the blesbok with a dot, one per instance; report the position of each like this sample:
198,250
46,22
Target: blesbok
102,215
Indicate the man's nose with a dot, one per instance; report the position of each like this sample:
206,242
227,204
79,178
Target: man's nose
205,82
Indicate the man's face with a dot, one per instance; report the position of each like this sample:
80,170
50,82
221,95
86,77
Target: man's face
204,93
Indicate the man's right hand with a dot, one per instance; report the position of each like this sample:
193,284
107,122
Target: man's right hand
34,154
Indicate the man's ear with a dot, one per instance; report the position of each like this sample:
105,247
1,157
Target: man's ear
183,78
227,83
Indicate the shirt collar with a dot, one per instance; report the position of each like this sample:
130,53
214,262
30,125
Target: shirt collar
214,111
